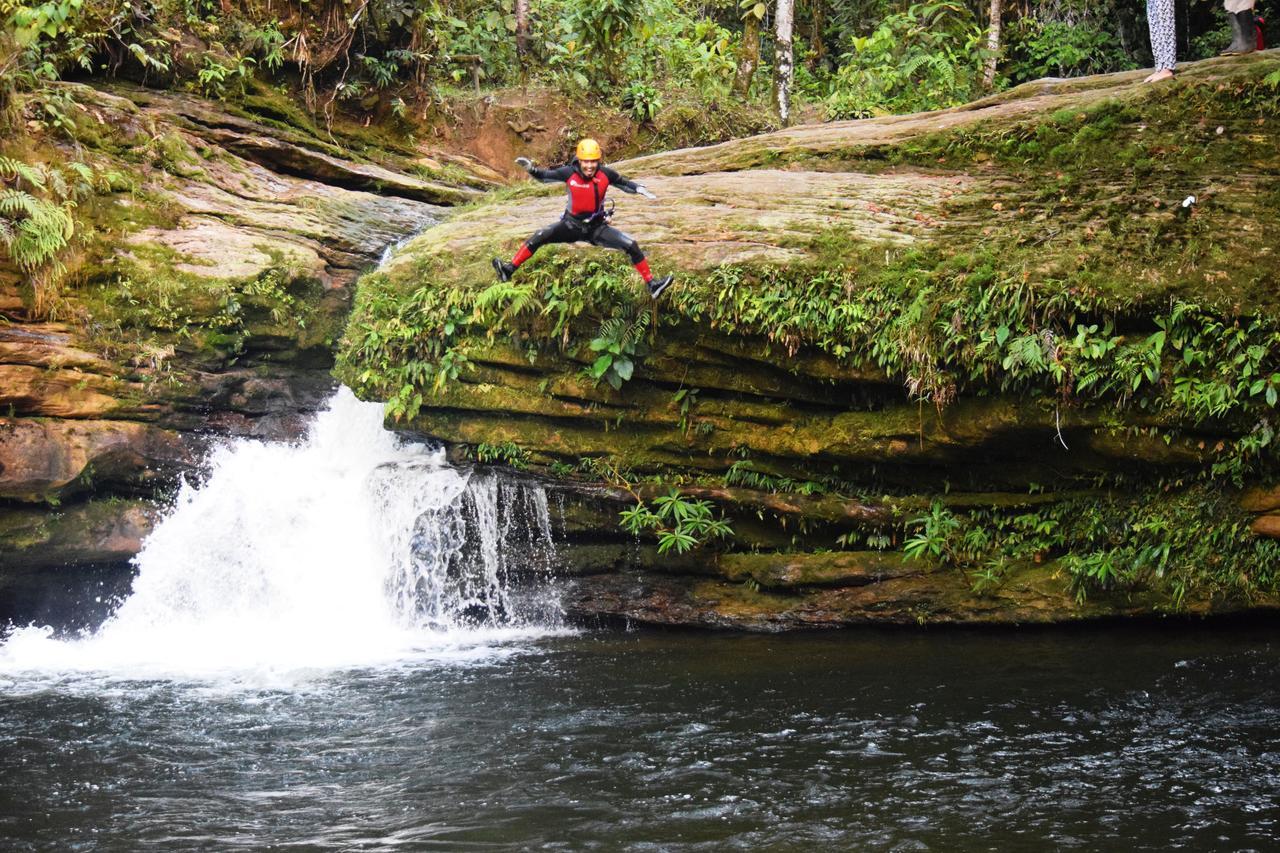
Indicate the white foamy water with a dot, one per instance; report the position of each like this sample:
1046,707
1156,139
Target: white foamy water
350,548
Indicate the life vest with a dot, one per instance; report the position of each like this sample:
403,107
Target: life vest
586,195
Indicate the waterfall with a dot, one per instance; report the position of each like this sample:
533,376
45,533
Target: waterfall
350,547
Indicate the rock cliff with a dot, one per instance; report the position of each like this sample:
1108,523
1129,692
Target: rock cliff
1013,362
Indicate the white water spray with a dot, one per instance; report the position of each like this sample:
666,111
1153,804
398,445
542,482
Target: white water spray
349,548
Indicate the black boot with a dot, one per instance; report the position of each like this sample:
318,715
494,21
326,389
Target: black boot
1244,38
1233,48
504,269
1248,31
657,285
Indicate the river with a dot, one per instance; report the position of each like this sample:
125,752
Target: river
1108,739
325,649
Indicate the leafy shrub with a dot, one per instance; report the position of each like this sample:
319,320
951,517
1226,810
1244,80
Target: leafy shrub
926,57
642,100
506,453
1039,48
679,523
934,537
215,79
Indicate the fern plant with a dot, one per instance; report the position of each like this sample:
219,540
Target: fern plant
34,228
620,342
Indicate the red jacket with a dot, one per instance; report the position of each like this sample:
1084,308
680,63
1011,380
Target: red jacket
586,195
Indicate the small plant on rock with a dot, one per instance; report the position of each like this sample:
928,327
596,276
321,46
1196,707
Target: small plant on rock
620,344
680,524
934,538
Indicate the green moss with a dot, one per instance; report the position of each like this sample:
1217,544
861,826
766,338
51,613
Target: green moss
173,154
1171,543
792,571
279,109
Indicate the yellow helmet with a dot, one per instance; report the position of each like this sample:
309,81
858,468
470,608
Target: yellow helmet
588,149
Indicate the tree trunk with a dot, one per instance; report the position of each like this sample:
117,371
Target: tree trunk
749,57
782,59
817,48
522,28
993,44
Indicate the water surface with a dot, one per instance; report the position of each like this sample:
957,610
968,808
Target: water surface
1113,739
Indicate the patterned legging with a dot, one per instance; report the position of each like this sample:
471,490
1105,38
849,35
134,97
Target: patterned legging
1160,21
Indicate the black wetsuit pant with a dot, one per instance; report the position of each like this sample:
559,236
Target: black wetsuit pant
570,230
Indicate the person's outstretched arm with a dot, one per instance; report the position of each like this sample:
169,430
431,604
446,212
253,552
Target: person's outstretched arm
546,176
625,184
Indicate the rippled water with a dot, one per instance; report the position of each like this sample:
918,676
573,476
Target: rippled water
904,741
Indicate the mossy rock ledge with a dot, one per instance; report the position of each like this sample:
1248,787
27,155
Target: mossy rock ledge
979,366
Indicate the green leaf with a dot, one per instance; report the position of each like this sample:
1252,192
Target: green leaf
676,539
624,367
1002,335
601,366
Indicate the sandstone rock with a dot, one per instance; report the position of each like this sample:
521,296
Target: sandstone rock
1261,499
280,156
1267,525
1030,596
213,249
55,393
42,459
47,345
962,251
789,571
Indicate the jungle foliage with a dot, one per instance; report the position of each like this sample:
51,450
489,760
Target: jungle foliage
853,57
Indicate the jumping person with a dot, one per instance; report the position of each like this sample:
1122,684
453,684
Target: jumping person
585,216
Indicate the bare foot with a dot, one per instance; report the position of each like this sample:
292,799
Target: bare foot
1162,74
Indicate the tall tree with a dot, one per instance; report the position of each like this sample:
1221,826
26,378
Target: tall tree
522,28
753,12
993,44
817,47
782,58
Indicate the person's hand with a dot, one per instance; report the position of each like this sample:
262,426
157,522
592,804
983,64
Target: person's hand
644,191
525,163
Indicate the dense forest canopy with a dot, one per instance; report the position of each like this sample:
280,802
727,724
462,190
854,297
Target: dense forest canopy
852,57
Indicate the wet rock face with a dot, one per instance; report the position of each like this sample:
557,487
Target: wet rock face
94,532
606,574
